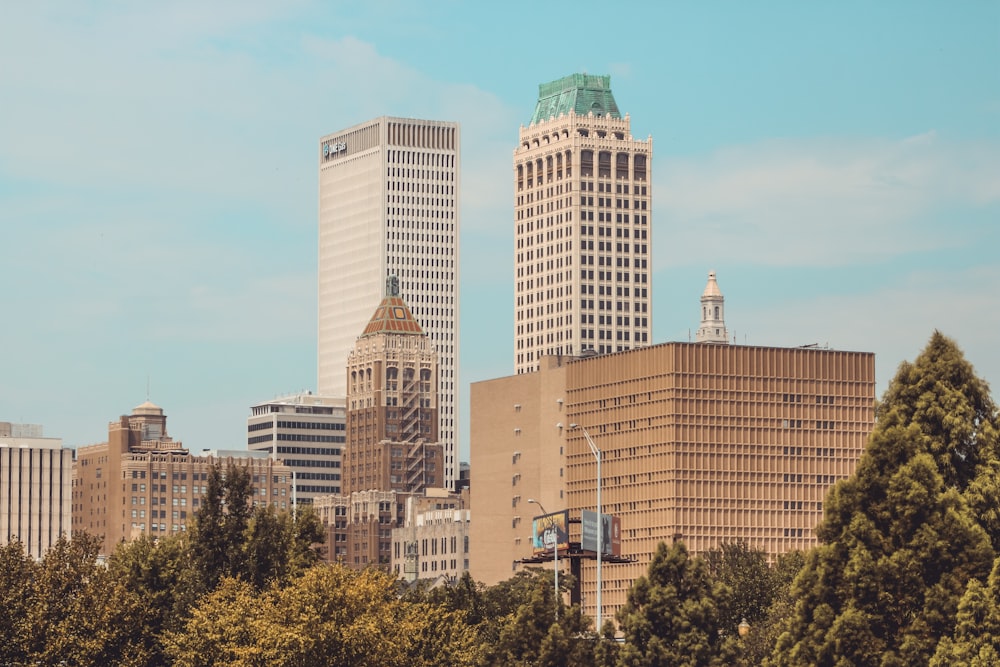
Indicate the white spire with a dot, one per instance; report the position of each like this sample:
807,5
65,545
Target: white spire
713,314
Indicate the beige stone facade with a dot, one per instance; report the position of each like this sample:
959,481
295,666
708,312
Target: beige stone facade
35,488
359,526
433,542
706,443
143,481
582,226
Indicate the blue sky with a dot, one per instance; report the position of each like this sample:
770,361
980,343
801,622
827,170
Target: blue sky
838,165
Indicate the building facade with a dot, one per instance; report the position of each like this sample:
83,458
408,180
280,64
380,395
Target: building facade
391,452
389,205
705,443
392,404
359,526
582,226
142,481
306,432
433,542
36,476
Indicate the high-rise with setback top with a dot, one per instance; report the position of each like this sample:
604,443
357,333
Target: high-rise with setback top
582,226
389,205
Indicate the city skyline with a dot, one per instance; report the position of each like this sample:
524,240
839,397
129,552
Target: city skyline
837,166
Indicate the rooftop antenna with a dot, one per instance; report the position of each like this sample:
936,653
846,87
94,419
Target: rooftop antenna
147,386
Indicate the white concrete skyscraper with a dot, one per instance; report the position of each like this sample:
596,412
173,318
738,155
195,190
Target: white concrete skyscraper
582,226
389,205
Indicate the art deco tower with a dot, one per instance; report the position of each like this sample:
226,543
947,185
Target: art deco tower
582,227
392,405
389,205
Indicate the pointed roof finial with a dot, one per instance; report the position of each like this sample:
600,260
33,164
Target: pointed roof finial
392,315
712,287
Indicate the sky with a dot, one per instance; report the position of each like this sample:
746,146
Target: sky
837,164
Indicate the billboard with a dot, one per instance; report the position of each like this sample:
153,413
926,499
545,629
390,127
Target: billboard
549,530
611,538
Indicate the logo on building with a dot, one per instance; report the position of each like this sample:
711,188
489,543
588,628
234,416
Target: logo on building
331,149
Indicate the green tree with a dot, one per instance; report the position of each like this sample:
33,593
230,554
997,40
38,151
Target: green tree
900,539
17,579
331,616
224,628
80,615
761,594
747,574
975,641
763,634
279,545
218,535
672,615
159,571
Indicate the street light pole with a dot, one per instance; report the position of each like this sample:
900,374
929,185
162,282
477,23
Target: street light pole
600,520
555,554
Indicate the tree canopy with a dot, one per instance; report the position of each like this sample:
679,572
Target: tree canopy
672,617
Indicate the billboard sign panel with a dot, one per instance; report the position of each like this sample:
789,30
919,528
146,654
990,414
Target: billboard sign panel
611,541
548,530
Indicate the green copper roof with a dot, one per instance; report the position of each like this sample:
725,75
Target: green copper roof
581,93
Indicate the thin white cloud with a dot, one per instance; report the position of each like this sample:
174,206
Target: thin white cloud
894,320
818,202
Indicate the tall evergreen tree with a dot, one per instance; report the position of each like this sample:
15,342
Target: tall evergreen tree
976,639
900,538
672,615
217,539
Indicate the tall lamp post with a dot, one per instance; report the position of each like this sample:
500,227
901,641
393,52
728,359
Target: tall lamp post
600,520
555,553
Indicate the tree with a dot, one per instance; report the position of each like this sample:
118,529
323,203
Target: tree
533,635
160,572
746,572
223,629
975,641
279,546
78,613
331,616
763,634
17,578
900,539
760,596
218,534
672,615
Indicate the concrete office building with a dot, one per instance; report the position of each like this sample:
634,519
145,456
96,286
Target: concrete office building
706,443
389,205
582,226
142,481
306,432
36,476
